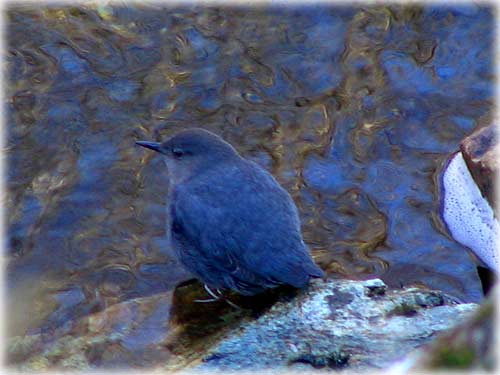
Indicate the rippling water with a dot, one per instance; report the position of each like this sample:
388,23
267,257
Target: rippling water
353,109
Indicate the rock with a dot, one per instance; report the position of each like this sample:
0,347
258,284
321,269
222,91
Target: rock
468,346
468,216
332,324
96,340
480,151
375,287
166,329
19,348
335,324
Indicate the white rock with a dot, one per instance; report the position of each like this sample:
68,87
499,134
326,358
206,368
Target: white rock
468,215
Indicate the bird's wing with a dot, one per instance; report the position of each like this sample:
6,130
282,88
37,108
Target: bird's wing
245,225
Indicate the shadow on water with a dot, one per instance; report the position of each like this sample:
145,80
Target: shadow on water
353,109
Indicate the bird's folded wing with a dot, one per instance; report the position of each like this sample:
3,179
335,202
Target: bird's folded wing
242,234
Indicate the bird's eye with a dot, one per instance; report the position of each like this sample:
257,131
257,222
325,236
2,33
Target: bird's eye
177,152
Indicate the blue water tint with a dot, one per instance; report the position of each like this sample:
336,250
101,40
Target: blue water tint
403,222
71,213
143,20
68,60
252,97
459,71
281,88
204,47
87,197
156,214
439,12
145,57
419,137
94,160
69,298
342,148
112,116
406,226
262,158
123,90
436,12
324,174
368,101
359,63
30,211
234,71
118,277
70,307
155,175
445,72
150,331
413,108
387,183
466,123
160,100
210,100
155,269
468,9
158,245
160,277
260,121
418,130
66,116
313,61
470,65
207,75
405,75
314,77
327,24
482,89
328,33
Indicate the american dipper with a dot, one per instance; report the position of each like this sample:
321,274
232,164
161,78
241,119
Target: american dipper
229,221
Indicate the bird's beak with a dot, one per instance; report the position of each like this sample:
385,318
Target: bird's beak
155,146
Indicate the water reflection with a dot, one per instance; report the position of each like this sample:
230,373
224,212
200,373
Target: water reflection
353,109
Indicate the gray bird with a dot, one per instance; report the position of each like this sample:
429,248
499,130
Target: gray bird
229,221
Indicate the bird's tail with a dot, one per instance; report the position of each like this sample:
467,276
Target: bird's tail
299,274
314,271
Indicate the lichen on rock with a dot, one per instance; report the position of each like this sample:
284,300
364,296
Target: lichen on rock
335,324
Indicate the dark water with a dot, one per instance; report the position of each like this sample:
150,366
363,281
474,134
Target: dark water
353,109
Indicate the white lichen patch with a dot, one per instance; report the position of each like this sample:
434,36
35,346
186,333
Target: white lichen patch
469,217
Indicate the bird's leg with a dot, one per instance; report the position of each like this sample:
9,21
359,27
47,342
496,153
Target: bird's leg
216,297
228,301
232,304
212,293
209,291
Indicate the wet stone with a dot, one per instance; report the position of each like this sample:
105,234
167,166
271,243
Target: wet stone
481,150
333,360
367,333
375,287
468,346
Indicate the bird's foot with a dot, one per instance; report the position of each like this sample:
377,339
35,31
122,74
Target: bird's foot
206,300
216,296
232,304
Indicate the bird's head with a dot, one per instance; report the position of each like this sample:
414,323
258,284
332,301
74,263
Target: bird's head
189,151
